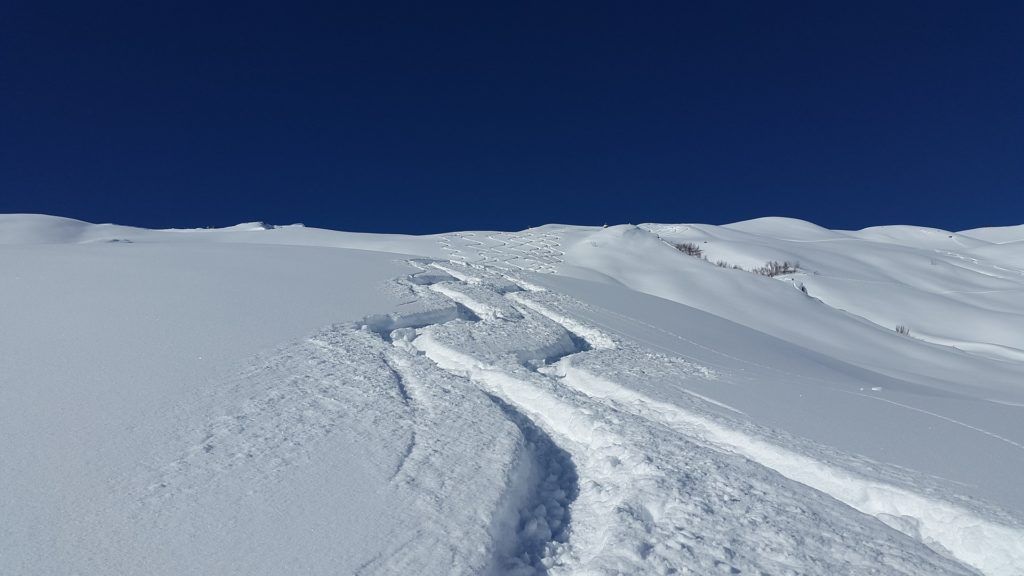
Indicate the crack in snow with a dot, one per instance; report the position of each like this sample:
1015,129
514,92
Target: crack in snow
574,472
531,399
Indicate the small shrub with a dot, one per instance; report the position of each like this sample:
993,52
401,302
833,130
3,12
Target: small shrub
903,330
775,268
690,249
721,264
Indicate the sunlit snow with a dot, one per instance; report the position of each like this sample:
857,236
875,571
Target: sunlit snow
561,400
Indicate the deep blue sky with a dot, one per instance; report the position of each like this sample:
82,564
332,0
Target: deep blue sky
430,116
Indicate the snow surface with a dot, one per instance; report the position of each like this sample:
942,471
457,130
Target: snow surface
566,400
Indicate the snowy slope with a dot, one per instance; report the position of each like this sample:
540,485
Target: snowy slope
565,400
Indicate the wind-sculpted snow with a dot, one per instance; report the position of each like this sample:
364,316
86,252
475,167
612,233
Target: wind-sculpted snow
495,511
304,393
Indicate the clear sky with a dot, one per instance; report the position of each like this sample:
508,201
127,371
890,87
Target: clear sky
428,116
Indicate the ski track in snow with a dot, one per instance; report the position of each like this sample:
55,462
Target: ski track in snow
573,469
530,250
978,263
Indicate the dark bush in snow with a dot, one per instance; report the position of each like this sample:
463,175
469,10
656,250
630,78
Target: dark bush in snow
689,248
774,268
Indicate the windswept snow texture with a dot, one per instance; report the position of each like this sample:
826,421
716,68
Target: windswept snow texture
563,400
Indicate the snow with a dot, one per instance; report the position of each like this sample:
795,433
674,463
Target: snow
999,235
566,400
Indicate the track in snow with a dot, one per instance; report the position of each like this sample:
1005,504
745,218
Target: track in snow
655,496
518,431
529,250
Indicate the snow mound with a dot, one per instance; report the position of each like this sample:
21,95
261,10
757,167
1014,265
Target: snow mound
784,229
999,235
41,229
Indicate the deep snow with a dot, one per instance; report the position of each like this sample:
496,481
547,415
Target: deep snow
268,400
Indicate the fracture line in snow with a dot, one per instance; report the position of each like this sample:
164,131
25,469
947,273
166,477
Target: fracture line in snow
571,471
461,276
483,303
471,527
597,339
592,439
